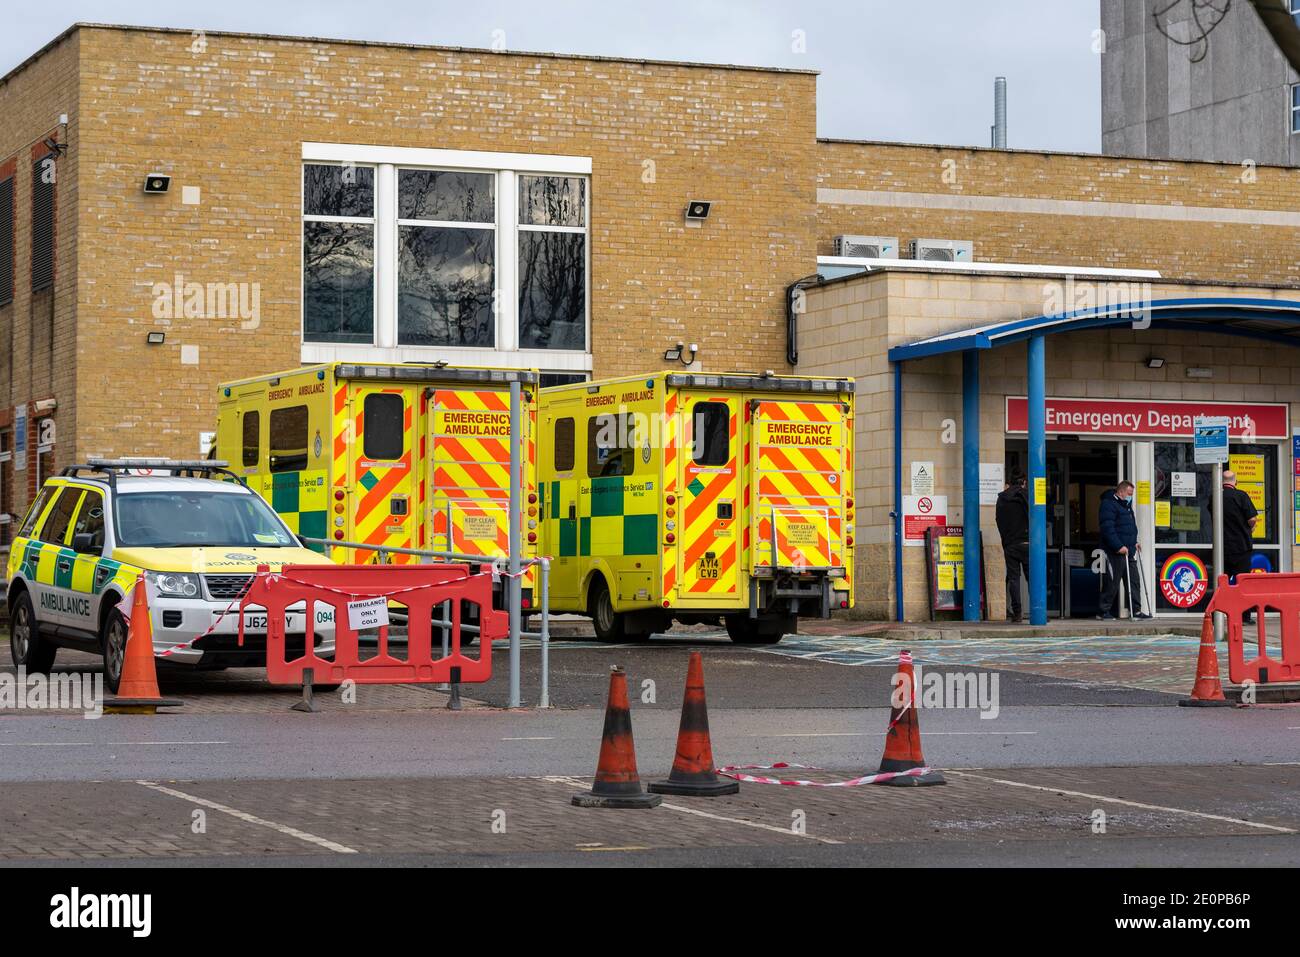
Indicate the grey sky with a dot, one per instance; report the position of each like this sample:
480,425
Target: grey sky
890,69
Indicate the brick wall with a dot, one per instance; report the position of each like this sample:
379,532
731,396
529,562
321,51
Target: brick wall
230,119
37,330
1178,217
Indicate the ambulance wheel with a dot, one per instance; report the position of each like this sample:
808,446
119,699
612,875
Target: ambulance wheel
758,631
112,642
606,622
26,646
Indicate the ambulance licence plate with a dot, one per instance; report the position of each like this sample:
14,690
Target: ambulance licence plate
709,567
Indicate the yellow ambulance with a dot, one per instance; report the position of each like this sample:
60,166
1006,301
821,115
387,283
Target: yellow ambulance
393,455
694,497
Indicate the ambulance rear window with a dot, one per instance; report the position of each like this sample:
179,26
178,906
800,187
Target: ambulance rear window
383,424
611,445
252,425
712,423
564,445
289,439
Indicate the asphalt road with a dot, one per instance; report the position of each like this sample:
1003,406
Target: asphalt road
396,779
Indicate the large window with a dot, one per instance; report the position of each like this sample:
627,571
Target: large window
446,251
552,262
478,258
1295,108
338,253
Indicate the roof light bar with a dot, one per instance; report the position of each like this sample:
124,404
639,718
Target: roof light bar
759,383
434,373
145,462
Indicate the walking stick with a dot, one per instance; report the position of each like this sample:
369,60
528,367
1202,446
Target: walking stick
1142,586
1128,581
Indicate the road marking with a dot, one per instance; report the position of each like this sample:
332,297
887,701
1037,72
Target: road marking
630,847
104,744
251,819
527,739
45,744
873,734
1137,804
574,782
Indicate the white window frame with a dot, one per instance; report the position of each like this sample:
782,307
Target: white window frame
386,160
1294,112
372,221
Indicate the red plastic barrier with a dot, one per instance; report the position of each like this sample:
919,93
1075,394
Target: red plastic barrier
1259,593
421,588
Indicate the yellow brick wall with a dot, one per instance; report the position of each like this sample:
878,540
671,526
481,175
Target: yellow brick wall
1220,251
231,119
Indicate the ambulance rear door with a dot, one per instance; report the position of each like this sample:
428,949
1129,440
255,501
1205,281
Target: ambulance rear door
469,473
709,519
384,485
797,451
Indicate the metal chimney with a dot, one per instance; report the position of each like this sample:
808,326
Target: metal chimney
999,129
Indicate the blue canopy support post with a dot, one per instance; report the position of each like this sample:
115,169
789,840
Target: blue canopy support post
898,491
970,483
1037,481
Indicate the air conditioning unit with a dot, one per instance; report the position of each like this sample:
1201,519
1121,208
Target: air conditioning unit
867,247
942,250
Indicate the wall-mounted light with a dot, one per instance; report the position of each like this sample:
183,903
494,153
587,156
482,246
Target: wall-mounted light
155,338
678,353
1155,362
698,209
1197,373
157,183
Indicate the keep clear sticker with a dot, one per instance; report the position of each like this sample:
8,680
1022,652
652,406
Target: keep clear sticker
367,613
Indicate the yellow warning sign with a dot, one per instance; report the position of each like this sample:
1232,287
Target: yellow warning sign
1162,514
1144,492
480,526
951,548
1249,468
1040,490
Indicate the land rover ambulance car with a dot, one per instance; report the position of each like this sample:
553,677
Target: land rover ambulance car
697,497
198,540
400,456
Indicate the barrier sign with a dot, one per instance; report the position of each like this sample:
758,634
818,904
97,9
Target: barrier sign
369,613
945,564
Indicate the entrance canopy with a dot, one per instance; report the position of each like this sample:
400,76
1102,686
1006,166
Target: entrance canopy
1274,320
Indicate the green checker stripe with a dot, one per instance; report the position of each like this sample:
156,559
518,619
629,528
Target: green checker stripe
607,496
63,575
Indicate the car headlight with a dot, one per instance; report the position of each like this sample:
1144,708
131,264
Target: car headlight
175,584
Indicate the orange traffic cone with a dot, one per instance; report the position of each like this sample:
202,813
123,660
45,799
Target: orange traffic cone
617,784
1207,691
137,691
903,739
693,770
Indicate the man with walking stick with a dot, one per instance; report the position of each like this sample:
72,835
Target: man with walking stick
1119,533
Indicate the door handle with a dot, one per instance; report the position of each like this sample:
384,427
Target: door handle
64,564
573,511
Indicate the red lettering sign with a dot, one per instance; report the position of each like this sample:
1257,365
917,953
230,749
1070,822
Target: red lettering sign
1145,418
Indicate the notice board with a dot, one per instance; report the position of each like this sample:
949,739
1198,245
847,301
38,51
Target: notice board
945,567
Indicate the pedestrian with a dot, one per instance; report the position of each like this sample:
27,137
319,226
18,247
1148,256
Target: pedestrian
1013,525
1119,533
1239,518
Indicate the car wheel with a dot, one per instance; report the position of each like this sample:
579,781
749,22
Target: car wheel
758,631
113,646
606,622
28,649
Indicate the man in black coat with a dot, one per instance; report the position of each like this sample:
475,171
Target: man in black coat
1013,525
1119,534
1239,518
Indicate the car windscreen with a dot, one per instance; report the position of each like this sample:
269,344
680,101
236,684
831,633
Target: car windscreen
177,519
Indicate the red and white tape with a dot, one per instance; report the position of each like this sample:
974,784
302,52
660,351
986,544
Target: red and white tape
729,772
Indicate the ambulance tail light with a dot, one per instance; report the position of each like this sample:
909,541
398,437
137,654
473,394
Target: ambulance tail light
670,499
339,495
670,538
532,538
848,540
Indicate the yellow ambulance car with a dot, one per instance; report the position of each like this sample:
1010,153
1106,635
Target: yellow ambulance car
392,455
694,497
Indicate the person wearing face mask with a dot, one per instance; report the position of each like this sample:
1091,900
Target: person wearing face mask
1119,533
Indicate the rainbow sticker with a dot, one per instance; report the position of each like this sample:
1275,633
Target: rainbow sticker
1183,580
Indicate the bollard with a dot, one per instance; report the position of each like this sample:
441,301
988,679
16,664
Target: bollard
453,703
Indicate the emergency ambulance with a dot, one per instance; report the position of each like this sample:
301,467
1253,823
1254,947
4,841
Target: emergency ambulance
194,530
393,455
696,497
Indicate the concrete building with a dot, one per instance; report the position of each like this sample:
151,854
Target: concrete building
332,199
1196,87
